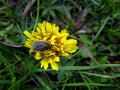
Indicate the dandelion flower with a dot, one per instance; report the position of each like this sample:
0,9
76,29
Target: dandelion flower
48,44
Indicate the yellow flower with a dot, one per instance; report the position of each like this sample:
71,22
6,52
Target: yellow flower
49,44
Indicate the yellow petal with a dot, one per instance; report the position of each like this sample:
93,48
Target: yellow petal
54,66
55,29
36,35
72,41
44,63
38,30
63,41
31,50
64,33
71,49
65,54
50,60
56,59
28,44
52,40
48,28
42,28
28,34
38,56
71,45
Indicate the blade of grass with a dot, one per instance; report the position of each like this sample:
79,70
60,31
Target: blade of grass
87,85
95,2
98,75
89,67
89,80
100,30
27,8
91,84
16,83
5,81
7,65
50,81
102,66
7,6
45,86
63,88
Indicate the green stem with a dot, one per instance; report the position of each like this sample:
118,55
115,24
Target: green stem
37,16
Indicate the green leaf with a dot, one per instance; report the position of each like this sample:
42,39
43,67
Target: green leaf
52,13
84,38
44,12
61,75
53,2
6,30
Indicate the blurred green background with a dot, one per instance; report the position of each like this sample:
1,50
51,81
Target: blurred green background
94,23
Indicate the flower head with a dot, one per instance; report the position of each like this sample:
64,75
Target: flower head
49,44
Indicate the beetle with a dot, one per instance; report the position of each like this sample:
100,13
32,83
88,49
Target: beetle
41,46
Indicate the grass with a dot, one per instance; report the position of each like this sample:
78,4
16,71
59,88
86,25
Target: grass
94,23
